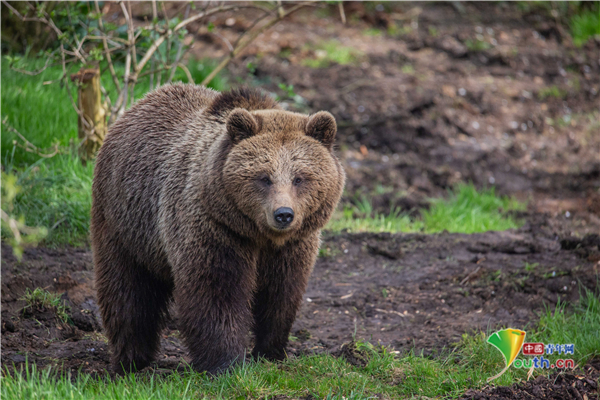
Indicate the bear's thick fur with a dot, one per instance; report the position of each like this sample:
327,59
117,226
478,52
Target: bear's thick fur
215,200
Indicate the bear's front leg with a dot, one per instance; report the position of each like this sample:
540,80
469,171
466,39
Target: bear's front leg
214,282
282,276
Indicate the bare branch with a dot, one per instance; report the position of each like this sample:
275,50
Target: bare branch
154,19
178,56
123,96
254,24
224,40
187,72
253,35
32,73
170,32
131,36
342,13
28,147
111,68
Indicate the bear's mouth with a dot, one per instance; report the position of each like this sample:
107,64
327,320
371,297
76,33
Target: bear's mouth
280,228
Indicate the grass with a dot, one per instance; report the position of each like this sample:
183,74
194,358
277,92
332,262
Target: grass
332,51
469,211
477,45
373,32
42,299
552,92
585,25
581,327
57,194
386,374
466,210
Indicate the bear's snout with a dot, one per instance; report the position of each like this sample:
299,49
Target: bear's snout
283,216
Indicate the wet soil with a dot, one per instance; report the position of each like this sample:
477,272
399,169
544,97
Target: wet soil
418,111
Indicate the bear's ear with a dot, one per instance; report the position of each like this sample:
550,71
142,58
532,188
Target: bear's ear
242,125
322,126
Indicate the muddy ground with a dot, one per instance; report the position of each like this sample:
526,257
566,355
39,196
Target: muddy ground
401,290
418,111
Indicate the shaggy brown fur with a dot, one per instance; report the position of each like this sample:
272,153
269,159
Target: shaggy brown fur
186,192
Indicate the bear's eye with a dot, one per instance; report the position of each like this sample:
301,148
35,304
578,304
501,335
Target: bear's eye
266,180
297,181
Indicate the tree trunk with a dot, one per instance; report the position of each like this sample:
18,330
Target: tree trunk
92,113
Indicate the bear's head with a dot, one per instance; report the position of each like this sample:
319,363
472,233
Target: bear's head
281,171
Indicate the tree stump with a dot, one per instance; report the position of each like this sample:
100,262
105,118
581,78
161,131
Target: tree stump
91,122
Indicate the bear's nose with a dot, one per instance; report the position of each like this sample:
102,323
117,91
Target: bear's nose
284,216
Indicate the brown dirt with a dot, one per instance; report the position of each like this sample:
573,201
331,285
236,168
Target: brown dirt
558,386
417,113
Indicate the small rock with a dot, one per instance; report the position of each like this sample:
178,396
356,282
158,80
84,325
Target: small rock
8,326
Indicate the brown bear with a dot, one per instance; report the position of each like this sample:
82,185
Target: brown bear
214,200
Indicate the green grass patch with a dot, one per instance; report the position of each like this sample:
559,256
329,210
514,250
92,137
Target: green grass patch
332,51
585,25
42,299
581,327
372,32
466,210
477,45
385,373
552,92
56,194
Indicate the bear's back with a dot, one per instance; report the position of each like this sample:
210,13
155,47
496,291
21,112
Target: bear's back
131,164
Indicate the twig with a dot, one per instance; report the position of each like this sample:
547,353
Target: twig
471,275
111,68
168,46
32,73
29,147
12,224
131,37
169,32
154,19
251,37
123,96
178,56
17,227
187,72
255,23
342,13
224,40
